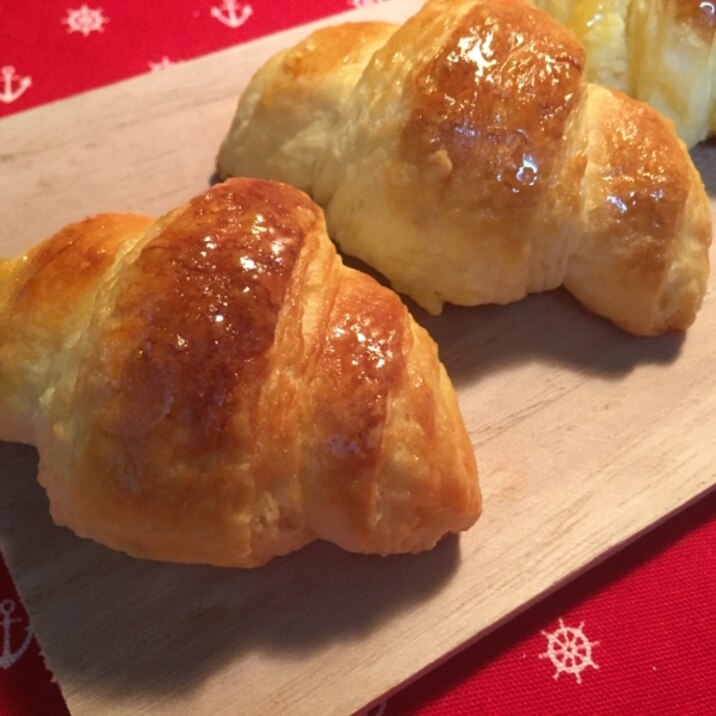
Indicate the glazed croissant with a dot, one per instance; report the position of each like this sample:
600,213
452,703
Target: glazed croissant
659,51
216,387
468,160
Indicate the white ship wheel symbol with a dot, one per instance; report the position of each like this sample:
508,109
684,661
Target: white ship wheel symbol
569,650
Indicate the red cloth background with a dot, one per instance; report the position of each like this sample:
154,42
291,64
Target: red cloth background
648,614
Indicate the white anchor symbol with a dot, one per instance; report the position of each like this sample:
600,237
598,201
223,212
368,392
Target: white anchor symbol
8,656
8,94
233,18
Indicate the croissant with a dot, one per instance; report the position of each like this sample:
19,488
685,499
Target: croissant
471,162
216,387
659,51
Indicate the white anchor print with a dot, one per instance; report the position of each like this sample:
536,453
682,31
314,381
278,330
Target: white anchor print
232,13
9,94
8,657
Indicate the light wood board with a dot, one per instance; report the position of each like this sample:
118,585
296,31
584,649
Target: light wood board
585,437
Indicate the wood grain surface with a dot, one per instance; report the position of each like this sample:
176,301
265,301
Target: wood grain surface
585,437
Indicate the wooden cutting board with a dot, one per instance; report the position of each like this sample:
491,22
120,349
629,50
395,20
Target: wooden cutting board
585,436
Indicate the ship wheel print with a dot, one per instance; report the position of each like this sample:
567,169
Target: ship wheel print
569,650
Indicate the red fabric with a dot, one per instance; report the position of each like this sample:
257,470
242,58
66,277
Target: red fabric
36,39
26,687
649,614
652,610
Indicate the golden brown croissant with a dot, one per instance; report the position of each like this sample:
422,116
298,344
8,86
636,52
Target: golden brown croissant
659,51
472,163
215,386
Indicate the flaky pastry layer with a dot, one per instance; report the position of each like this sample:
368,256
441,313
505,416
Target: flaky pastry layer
471,162
215,386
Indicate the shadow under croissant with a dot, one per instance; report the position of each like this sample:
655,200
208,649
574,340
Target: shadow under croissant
551,328
215,179
703,157
141,627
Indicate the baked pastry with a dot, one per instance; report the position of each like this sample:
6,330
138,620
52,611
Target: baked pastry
216,387
659,51
472,163
292,103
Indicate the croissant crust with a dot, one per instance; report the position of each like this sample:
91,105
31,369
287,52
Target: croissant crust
471,162
215,386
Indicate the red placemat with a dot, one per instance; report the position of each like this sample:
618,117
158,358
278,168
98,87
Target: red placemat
56,49
636,635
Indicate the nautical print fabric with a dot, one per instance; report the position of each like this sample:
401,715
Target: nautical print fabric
634,636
